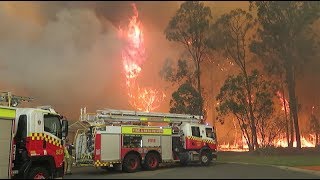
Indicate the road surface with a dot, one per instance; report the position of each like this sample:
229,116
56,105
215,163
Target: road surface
215,171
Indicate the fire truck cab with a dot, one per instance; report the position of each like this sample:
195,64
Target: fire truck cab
126,140
198,143
31,140
37,144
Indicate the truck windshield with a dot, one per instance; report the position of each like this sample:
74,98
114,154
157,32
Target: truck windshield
52,125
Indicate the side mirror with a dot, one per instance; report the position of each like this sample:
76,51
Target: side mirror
64,128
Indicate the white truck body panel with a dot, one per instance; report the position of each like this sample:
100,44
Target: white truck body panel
166,148
6,143
151,141
110,147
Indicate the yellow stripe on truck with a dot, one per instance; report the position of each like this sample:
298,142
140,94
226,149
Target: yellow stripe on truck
144,130
7,113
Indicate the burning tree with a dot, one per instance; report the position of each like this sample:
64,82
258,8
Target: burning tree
315,127
230,36
283,33
190,27
233,99
133,56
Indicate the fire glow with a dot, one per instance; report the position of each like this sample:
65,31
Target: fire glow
133,56
240,145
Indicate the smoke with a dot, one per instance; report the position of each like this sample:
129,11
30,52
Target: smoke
68,55
68,61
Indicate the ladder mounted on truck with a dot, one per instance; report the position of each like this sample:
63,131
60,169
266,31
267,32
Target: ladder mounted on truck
11,100
112,116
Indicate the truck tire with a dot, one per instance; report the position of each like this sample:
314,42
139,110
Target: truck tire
151,161
205,158
131,163
38,173
184,162
184,159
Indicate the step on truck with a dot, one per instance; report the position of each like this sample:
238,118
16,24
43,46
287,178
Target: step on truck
130,140
31,141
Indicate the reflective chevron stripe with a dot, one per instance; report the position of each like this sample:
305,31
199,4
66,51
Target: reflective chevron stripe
47,138
100,163
210,141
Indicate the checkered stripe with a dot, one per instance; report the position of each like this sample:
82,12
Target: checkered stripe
47,138
99,163
210,141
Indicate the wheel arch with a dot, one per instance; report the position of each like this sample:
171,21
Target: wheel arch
46,162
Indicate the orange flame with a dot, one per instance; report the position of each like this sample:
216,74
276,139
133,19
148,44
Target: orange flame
133,56
281,141
282,101
308,140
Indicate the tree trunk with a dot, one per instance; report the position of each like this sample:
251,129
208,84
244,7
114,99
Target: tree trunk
199,88
317,140
252,119
291,130
292,101
285,113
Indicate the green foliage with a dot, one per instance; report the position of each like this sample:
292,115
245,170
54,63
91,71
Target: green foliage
185,100
285,35
233,99
284,42
177,75
189,26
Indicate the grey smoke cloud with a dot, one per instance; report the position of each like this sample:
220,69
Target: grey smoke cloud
68,62
68,54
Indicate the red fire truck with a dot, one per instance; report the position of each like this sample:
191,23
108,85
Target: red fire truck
31,139
126,140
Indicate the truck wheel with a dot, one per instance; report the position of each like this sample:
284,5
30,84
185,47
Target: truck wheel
184,162
131,163
184,159
205,158
151,161
38,173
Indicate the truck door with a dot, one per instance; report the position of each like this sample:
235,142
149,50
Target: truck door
6,131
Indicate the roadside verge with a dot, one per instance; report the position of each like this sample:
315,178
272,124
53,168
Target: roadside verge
299,169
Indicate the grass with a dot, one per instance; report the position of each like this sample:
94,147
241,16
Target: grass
289,159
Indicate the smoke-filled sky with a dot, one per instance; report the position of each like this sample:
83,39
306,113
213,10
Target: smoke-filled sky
68,54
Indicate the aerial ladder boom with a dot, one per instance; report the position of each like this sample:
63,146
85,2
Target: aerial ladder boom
12,100
111,116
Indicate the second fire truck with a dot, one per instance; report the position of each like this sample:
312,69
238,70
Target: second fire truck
126,140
